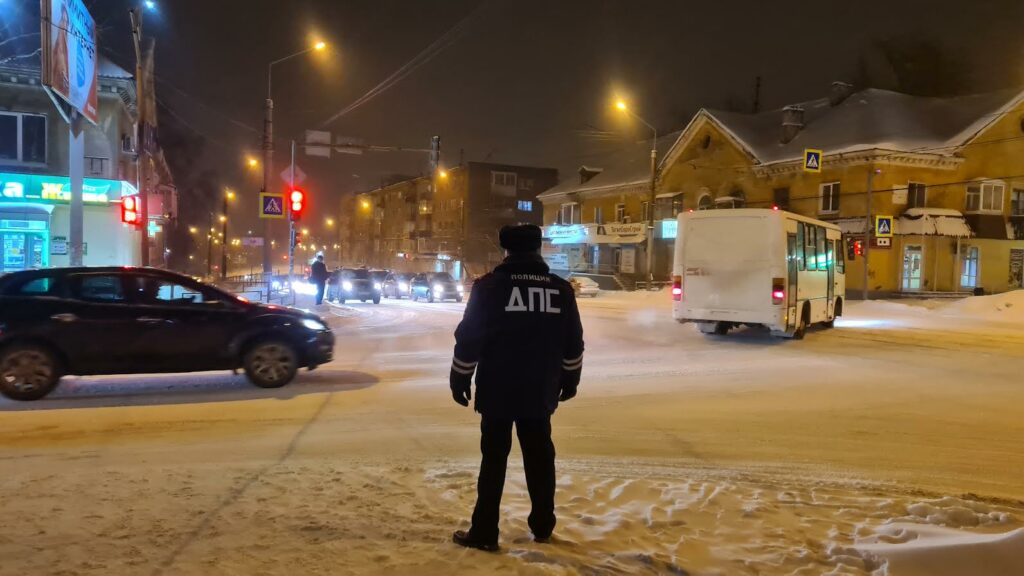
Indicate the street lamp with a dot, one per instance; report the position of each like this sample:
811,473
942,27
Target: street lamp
268,142
192,229
229,194
621,105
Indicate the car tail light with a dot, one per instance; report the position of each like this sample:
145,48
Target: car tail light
677,288
778,291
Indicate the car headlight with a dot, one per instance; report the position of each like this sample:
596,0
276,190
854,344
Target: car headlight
403,286
459,288
346,285
376,285
313,324
438,288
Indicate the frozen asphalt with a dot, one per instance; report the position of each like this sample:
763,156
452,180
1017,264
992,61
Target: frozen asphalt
894,403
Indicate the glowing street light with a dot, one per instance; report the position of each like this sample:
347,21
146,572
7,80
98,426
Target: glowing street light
621,105
320,45
252,162
223,218
330,221
192,230
443,173
365,205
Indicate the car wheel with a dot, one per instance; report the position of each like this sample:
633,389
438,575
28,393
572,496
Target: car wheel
271,364
376,300
801,328
430,297
340,300
459,299
28,372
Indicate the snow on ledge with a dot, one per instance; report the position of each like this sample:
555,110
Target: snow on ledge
933,222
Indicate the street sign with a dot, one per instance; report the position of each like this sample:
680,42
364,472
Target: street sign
252,241
812,160
271,205
318,143
883,226
883,242
286,175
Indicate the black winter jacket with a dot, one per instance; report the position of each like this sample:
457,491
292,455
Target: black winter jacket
522,335
318,272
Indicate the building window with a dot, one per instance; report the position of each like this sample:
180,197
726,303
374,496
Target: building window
986,197
829,198
645,210
969,268
917,195
620,213
598,215
705,202
1017,202
570,213
525,206
503,179
23,137
780,198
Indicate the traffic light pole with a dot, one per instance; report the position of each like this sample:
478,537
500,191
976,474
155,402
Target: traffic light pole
291,222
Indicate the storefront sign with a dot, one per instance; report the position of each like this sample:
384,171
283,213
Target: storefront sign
69,54
59,246
566,234
627,262
669,229
57,189
557,261
623,229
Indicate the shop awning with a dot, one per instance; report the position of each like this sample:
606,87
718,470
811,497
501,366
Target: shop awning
933,222
669,194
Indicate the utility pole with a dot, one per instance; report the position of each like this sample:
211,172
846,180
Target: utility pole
136,19
868,225
268,167
650,212
291,222
224,240
209,249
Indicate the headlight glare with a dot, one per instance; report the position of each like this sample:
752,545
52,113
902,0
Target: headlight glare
313,324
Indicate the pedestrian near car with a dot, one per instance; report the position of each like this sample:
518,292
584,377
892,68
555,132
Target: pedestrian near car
318,275
522,338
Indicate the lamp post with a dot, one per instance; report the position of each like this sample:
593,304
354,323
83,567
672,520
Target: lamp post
268,144
621,105
228,195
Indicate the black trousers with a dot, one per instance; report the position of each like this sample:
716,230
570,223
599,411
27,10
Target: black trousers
539,463
320,292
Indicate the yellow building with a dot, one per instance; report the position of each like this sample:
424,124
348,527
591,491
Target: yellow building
949,171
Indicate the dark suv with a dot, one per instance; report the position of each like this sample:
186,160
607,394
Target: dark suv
353,284
83,321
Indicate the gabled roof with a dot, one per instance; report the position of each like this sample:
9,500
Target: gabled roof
871,119
628,166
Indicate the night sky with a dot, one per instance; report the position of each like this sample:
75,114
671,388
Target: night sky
521,81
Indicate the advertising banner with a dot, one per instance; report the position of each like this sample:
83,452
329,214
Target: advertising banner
70,59
46,189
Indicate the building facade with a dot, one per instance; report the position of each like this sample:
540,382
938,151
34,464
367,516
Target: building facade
946,170
34,185
449,222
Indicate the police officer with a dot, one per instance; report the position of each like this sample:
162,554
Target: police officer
522,336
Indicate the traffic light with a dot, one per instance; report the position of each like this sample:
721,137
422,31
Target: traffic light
854,248
130,210
296,203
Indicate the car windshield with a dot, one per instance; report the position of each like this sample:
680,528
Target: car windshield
356,274
442,277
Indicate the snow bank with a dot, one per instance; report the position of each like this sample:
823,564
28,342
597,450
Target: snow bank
1006,307
923,550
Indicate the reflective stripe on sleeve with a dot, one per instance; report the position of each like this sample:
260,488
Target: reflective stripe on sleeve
463,364
463,371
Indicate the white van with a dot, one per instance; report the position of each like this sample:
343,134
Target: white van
757,267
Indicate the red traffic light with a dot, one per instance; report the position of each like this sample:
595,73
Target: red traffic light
296,202
130,210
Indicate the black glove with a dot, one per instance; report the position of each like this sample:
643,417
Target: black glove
461,386
570,381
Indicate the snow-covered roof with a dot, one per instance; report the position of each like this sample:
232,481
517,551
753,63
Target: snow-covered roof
933,222
867,120
631,165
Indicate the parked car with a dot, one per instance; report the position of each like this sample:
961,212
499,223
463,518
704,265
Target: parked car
353,284
584,286
80,321
435,287
397,285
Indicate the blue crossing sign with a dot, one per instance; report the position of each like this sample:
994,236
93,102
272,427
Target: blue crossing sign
883,226
812,160
271,205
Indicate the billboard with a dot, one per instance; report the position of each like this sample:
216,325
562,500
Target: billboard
70,59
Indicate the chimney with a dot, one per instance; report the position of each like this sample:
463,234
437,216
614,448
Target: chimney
839,92
586,173
792,122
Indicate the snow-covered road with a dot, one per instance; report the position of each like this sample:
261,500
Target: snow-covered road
892,442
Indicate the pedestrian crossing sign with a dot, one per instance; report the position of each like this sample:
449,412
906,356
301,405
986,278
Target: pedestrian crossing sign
271,205
812,160
883,226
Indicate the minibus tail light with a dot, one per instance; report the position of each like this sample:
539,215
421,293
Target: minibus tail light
677,288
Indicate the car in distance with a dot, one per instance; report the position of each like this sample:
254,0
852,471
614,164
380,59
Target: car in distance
584,286
354,284
396,285
378,277
436,287
85,321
